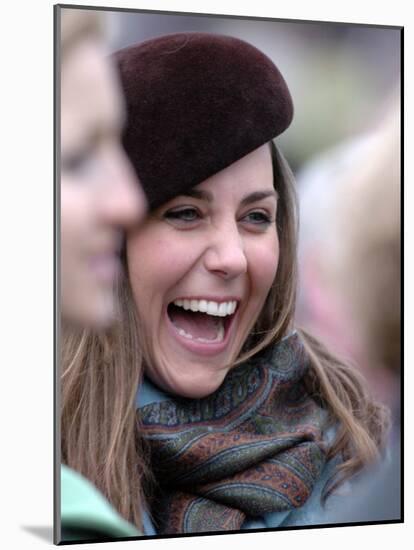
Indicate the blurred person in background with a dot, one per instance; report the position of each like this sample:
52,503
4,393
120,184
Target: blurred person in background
321,308
364,268
294,421
368,219
100,198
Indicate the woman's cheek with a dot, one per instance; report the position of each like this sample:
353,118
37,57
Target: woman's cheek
172,256
157,263
264,261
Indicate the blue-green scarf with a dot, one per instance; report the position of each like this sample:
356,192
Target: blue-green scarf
252,447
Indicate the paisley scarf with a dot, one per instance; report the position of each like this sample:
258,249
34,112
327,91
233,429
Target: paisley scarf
252,447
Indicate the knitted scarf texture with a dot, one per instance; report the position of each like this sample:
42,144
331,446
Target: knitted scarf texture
253,447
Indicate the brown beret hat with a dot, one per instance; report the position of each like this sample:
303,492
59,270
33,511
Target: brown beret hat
196,103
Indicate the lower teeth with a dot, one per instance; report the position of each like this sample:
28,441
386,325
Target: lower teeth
218,338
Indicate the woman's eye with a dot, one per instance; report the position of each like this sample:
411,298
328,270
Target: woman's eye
185,215
259,218
78,163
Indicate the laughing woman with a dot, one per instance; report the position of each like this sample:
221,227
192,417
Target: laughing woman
248,421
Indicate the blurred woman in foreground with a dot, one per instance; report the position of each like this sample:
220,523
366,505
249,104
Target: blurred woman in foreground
100,198
99,193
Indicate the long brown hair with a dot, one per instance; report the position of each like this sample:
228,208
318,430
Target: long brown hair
361,422
101,374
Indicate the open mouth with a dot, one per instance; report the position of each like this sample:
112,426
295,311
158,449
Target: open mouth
202,321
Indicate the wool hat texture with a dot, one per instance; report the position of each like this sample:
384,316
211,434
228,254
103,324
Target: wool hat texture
196,103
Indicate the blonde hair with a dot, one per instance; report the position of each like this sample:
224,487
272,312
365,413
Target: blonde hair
368,264
77,25
101,374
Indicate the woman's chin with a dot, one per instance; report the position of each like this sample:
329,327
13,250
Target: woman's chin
185,372
196,385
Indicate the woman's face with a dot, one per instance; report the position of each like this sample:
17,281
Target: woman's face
99,194
200,268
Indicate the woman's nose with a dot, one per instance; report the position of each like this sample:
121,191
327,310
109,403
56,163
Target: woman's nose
125,202
122,202
129,204
225,255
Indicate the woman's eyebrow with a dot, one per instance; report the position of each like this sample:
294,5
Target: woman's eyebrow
248,199
258,196
197,194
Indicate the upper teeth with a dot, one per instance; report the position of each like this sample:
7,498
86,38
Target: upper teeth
212,308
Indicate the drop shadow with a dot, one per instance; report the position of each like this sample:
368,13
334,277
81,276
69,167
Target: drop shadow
42,532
